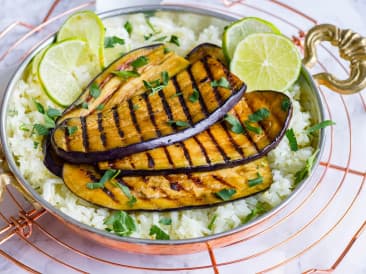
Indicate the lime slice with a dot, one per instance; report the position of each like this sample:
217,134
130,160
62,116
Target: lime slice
111,54
266,61
240,29
57,71
85,25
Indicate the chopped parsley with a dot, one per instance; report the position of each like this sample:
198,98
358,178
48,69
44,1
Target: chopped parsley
176,94
157,85
49,122
35,144
222,82
178,123
226,194
194,96
285,104
260,208
212,222
120,223
53,113
251,128
126,190
94,90
39,107
85,105
166,50
236,126
148,22
24,127
292,139
135,107
174,40
100,107
321,125
107,176
303,173
110,42
40,130
71,130
256,181
159,233
125,74
128,27
147,37
160,39
139,62
259,115
165,221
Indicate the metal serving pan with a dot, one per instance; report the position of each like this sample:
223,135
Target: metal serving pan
352,47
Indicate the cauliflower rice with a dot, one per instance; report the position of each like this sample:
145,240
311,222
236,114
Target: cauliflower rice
191,30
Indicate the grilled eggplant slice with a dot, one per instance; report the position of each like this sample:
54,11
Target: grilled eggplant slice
169,191
205,49
152,119
115,89
218,146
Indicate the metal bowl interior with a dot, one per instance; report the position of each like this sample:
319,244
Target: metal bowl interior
310,99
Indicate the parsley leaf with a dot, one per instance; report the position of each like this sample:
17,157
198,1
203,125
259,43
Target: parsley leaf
39,107
71,130
110,42
120,223
285,104
166,50
126,190
256,181
194,96
260,208
49,122
259,115
251,128
148,22
128,27
178,123
226,194
174,40
100,107
176,94
35,144
85,105
303,173
53,113
157,85
125,74
292,139
24,127
107,176
321,125
40,129
222,82
147,37
94,90
165,221
159,233
236,126
139,62
212,222
160,39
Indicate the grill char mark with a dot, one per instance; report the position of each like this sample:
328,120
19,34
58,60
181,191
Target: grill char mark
182,101
151,114
204,108
117,122
102,134
166,107
134,119
84,133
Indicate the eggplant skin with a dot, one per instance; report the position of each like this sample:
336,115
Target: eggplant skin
168,192
107,83
99,136
206,49
217,147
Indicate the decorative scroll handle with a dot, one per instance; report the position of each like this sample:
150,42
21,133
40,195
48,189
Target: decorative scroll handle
352,47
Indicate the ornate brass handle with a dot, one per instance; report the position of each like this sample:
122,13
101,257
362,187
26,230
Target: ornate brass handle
352,47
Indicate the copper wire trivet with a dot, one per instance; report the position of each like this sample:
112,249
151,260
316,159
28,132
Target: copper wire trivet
341,181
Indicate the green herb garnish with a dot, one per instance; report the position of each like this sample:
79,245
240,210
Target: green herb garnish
260,208
39,107
49,122
256,181
194,96
157,85
139,62
110,42
135,107
53,113
321,125
147,37
251,128
226,194
160,39
71,130
100,107
35,144
126,190
303,173
178,123
165,221
292,139
236,126
174,40
94,90
222,82
166,50
125,74
285,104
24,127
212,222
159,233
259,115
120,223
107,176
176,94
128,28
40,130
148,22
85,105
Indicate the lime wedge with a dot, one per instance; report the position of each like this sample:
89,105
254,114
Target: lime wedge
85,25
240,29
266,61
57,71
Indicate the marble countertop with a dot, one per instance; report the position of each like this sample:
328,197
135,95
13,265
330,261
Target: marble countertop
303,239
